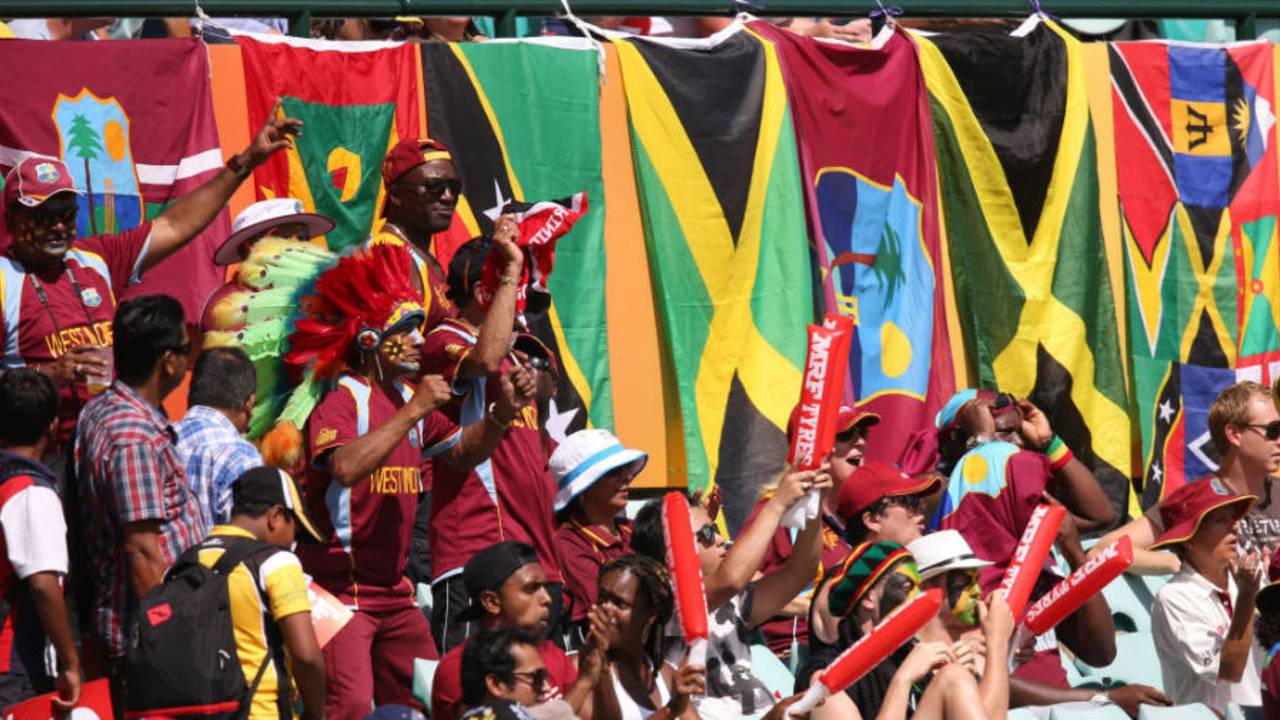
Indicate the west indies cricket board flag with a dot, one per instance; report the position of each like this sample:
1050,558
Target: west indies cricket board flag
356,100
133,121
865,139
1017,166
1196,160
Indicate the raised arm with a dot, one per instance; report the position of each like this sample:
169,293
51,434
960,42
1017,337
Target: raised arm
774,591
186,218
479,440
493,341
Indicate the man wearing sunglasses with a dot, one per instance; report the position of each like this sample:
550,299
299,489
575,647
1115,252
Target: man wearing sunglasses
503,664
786,634
1245,429
61,290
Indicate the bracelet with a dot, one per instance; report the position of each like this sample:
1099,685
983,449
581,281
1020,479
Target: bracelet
238,167
508,280
1058,453
976,440
494,418
1101,698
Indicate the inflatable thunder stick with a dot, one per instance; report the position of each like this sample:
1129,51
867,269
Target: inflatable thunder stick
862,656
1028,558
821,392
1087,581
686,575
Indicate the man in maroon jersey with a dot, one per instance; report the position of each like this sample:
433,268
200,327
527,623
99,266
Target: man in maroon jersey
58,293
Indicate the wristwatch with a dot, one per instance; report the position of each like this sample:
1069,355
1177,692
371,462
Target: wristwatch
238,167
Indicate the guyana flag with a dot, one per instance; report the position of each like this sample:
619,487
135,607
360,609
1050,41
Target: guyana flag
720,193
1017,169
522,120
1197,172
355,102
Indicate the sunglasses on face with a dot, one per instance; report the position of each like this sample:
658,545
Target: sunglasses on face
849,435
537,679
707,534
65,214
183,350
1270,431
435,187
537,362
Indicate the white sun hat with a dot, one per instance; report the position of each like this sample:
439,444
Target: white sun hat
262,216
586,456
942,551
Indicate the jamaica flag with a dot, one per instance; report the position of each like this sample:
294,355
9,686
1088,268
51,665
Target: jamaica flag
356,103
1197,172
522,120
1017,168
720,191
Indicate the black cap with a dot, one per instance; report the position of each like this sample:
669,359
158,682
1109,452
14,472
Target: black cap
272,486
489,568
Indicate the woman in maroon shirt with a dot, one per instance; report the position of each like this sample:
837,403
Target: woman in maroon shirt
593,472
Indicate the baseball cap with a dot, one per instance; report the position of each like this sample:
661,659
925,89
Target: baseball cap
586,456
943,551
274,486
36,179
1184,510
877,479
261,217
846,418
489,568
409,154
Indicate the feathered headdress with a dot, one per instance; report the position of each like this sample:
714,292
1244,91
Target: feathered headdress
301,313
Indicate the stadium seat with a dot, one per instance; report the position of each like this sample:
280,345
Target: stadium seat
1135,663
769,669
1195,711
1022,714
1235,712
1087,711
424,676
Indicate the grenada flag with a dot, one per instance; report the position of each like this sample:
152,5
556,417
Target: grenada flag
356,100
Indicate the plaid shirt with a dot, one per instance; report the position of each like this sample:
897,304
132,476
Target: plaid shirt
128,472
214,455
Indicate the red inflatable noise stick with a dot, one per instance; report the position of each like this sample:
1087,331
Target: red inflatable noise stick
1028,558
686,575
861,657
1088,580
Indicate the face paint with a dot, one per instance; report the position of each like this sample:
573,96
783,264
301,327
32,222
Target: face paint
900,586
396,347
963,594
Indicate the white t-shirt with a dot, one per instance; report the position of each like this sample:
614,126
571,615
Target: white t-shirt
628,708
1189,621
35,533
733,691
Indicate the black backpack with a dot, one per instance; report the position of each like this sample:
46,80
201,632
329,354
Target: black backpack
182,659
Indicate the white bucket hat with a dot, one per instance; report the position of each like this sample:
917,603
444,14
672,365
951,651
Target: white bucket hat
941,551
586,456
262,216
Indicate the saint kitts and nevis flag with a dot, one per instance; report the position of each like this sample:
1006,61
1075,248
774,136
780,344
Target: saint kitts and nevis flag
132,147
522,120
871,191
720,192
356,100
1019,188
1197,171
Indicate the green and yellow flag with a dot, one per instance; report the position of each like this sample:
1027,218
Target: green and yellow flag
719,185
1018,172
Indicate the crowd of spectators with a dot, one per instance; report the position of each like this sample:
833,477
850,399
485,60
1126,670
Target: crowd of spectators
545,599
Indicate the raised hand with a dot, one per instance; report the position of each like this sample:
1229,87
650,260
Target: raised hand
432,392
276,134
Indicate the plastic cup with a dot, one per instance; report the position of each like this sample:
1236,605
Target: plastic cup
96,382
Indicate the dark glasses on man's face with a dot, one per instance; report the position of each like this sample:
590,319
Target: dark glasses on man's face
707,534
1271,430
536,679
49,216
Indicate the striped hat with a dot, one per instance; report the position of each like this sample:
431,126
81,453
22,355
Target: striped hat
865,565
586,456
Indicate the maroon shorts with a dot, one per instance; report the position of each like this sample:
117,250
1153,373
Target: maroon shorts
371,661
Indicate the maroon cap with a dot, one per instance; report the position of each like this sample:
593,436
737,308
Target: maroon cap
409,154
1184,510
35,180
877,479
845,419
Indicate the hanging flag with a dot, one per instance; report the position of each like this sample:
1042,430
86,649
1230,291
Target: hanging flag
133,147
1017,167
356,100
522,120
1199,193
871,192
716,170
